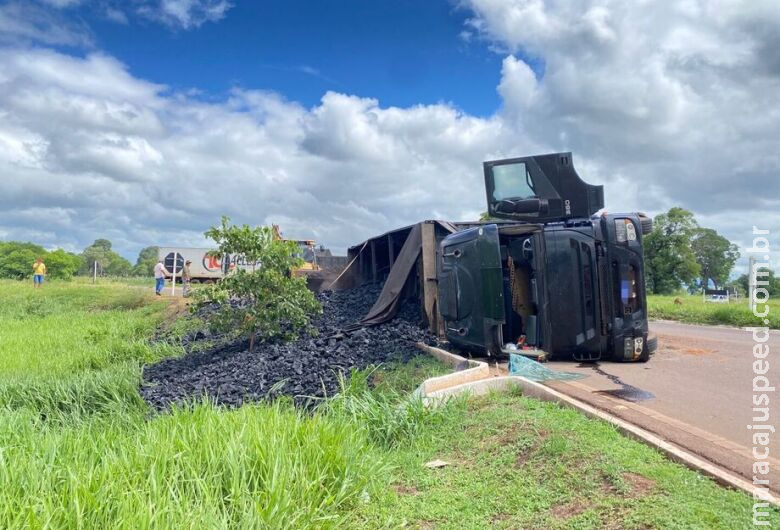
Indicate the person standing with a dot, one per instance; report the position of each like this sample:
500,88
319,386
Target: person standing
186,277
160,272
39,271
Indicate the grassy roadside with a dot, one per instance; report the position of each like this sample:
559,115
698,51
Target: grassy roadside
694,310
80,449
516,462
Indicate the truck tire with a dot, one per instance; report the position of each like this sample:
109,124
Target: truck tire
647,224
652,344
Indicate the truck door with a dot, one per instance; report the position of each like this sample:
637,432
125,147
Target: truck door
539,189
471,299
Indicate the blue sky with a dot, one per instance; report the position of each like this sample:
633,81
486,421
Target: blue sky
144,121
403,52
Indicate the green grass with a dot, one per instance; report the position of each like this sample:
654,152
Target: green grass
404,378
73,348
695,311
80,449
256,467
516,462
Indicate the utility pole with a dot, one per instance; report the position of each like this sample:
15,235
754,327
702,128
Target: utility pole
173,280
751,282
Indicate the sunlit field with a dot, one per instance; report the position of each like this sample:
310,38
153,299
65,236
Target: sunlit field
694,310
79,448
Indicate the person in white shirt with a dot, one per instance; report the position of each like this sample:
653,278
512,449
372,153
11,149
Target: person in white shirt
159,277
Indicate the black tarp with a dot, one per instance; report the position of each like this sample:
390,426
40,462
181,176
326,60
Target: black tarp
387,304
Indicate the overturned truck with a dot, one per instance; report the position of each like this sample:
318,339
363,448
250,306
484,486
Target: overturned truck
545,273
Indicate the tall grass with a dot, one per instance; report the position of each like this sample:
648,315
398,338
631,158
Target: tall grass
694,310
261,466
388,418
80,449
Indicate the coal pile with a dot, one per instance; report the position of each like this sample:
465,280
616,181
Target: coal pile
304,369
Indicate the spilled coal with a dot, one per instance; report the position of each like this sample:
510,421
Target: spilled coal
304,369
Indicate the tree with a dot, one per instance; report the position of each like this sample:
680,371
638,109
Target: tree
61,264
108,261
118,266
147,259
715,255
104,244
669,259
765,275
16,259
266,300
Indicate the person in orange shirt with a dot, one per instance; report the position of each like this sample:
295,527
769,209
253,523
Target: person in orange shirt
39,271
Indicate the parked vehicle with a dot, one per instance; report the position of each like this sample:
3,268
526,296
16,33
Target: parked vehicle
206,268
548,274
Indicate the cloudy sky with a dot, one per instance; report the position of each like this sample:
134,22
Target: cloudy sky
142,121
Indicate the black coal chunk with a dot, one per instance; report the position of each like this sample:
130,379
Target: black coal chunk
304,369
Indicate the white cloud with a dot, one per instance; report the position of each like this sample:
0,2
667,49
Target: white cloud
60,4
115,14
130,161
23,23
672,104
186,14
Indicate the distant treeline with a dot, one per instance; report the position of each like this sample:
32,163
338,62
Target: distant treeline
17,258
681,253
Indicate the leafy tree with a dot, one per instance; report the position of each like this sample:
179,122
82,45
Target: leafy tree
266,300
773,282
118,266
95,254
61,264
669,259
16,259
108,261
105,244
715,255
147,259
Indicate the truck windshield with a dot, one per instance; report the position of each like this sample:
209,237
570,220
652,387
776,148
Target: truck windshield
512,181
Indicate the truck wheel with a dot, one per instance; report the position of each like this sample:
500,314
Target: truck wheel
647,224
652,344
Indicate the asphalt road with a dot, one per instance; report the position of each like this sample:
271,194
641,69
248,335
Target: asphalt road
700,376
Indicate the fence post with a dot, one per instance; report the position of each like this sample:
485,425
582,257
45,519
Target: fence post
173,280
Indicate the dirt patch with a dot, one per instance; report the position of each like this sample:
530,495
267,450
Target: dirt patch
176,308
678,345
498,518
404,489
507,436
527,453
640,486
634,486
570,509
696,351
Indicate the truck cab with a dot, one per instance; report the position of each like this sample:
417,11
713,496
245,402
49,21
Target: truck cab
547,272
